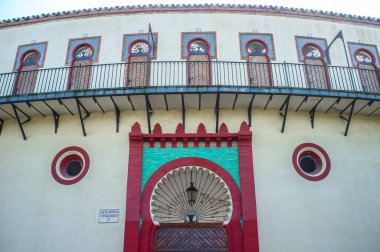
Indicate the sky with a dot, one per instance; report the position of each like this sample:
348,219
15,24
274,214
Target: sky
21,8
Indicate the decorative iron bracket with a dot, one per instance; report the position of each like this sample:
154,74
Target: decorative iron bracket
64,105
183,111
285,114
55,116
31,106
20,124
1,125
148,112
236,97
97,103
117,111
80,105
312,113
217,110
269,99
249,110
336,102
303,101
348,120
369,104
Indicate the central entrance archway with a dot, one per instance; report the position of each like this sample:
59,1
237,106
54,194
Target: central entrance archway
191,204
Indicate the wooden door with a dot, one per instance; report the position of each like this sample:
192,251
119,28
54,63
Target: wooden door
316,74
80,75
259,71
368,78
194,237
199,69
138,71
26,80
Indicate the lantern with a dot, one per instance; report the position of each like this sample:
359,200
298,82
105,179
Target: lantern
192,193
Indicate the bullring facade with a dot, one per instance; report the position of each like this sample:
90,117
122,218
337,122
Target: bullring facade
189,128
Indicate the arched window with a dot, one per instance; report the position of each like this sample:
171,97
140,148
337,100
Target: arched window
138,67
367,71
27,73
258,64
199,65
81,68
315,67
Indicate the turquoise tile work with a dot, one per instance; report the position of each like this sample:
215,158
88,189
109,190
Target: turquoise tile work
226,157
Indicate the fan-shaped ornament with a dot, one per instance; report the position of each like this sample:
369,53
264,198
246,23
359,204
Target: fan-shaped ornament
191,195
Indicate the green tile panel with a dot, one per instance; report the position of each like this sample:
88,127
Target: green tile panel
226,157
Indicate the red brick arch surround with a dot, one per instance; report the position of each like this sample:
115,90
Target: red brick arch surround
244,201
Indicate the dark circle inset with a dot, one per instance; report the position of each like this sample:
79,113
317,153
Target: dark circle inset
308,164
73,168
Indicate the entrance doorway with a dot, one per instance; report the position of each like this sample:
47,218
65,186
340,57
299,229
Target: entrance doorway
191,237
191,206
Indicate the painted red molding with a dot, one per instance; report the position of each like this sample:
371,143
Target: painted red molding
223,129
157,129
180,129
299,153
234,230
201,129
247,184
76,153
132,217
243,204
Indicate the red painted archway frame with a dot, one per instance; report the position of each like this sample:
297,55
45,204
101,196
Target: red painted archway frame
233,228
136,239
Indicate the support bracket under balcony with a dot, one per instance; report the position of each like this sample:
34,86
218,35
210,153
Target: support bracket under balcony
236,97
373,111
303,101
336,102
130,102
369,104
348,120
269,99
64,105
6,112
117,111
20,124
312,113
250,110
81,117
183,111
217,110
148,112
285,114
166,103
1,125
33,107
55,117
97,103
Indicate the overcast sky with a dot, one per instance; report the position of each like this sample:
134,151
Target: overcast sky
20,8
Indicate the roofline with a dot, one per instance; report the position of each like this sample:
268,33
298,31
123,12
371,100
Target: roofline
217,8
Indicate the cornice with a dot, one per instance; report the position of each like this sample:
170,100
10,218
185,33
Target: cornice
217,8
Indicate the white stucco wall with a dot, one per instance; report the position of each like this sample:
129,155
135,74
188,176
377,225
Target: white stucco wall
226,25
335,214
339,213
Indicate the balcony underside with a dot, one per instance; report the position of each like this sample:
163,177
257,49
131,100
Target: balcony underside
82,103
193,98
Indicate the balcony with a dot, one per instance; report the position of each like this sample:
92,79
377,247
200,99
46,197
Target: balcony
182,85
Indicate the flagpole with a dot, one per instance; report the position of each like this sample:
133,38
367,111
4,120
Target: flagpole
340,35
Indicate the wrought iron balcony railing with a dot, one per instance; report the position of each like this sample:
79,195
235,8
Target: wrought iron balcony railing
182,74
